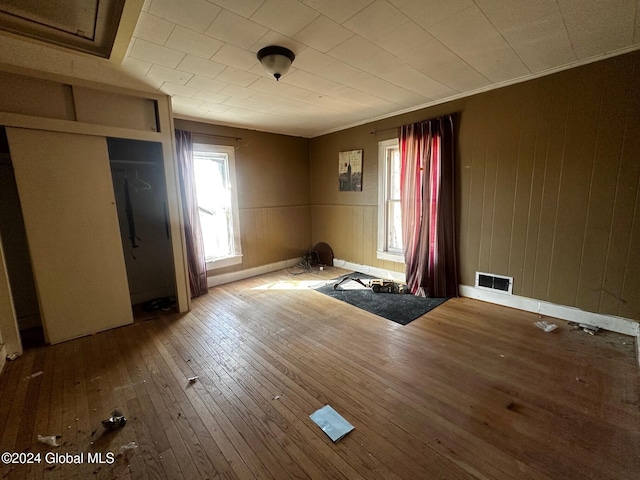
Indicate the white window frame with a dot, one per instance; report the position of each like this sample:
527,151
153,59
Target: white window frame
383,252
236,257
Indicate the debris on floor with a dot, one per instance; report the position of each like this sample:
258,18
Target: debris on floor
590,329
276,397
331,423
546,326
193,380
129,446
37,374
12,357
48,440
115,421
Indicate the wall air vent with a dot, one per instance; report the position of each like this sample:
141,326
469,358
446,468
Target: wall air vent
489,281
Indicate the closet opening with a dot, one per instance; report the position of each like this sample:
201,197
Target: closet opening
16,252
137,171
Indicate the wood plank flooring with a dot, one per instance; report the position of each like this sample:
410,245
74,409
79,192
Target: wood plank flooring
468,391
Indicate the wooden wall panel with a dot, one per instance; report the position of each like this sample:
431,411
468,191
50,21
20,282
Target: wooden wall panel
616,85
576,166
624,212
522,202
548,185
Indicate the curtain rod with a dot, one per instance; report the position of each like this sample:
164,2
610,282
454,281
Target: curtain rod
237,139
133,162
375,132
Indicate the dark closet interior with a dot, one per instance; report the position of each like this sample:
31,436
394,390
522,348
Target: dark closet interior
141,198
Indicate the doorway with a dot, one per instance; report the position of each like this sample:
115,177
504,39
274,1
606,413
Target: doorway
137,171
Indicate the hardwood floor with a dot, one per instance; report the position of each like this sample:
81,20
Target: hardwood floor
468,391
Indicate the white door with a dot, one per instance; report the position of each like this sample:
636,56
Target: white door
66,193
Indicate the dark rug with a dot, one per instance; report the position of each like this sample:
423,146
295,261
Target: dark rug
397,307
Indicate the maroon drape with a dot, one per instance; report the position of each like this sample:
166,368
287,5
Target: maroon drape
196,262
428,209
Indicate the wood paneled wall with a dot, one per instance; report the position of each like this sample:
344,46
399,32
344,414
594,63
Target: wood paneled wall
273,191
548,186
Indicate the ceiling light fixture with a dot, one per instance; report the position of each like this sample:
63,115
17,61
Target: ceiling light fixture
276,60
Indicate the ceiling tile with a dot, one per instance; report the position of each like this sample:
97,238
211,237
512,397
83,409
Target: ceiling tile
195,43
338,10
153,29
323,34
311,60
435,60
240,92
150,52
284,16
378,87
365,99
181,90
541,44
184,103
417,82
485,50
339,72
509,14
436,11
245,8
355,50
158,72
196,15
237,77
136,67
282,89
309,81
379,18
214,109
589,25
381,64
204,83
402,39
235,57
200,66
275,38
236,30
212,97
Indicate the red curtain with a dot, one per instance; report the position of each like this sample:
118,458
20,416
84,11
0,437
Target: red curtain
428,209
196,262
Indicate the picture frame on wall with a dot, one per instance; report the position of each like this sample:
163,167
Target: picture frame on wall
350,171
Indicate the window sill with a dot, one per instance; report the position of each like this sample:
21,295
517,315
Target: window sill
391,257
223,262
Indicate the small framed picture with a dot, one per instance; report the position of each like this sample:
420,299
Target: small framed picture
350,171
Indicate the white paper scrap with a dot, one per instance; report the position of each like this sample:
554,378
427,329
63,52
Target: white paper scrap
546,326
331,423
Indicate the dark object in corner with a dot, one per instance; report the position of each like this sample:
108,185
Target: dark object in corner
162,303
325,254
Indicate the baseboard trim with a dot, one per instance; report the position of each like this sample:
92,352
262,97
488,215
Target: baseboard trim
608,322
563,312
223,278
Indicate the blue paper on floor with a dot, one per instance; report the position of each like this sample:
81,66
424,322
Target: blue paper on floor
331,423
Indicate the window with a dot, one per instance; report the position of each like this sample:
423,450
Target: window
214,169
389,212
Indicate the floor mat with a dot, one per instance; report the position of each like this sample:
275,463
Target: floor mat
399,308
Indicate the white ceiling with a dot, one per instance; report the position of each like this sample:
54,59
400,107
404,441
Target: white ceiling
356,60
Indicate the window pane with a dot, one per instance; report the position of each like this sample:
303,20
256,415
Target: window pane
394,227
214,203
394,174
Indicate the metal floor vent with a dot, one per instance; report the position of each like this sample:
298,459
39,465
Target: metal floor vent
489,281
